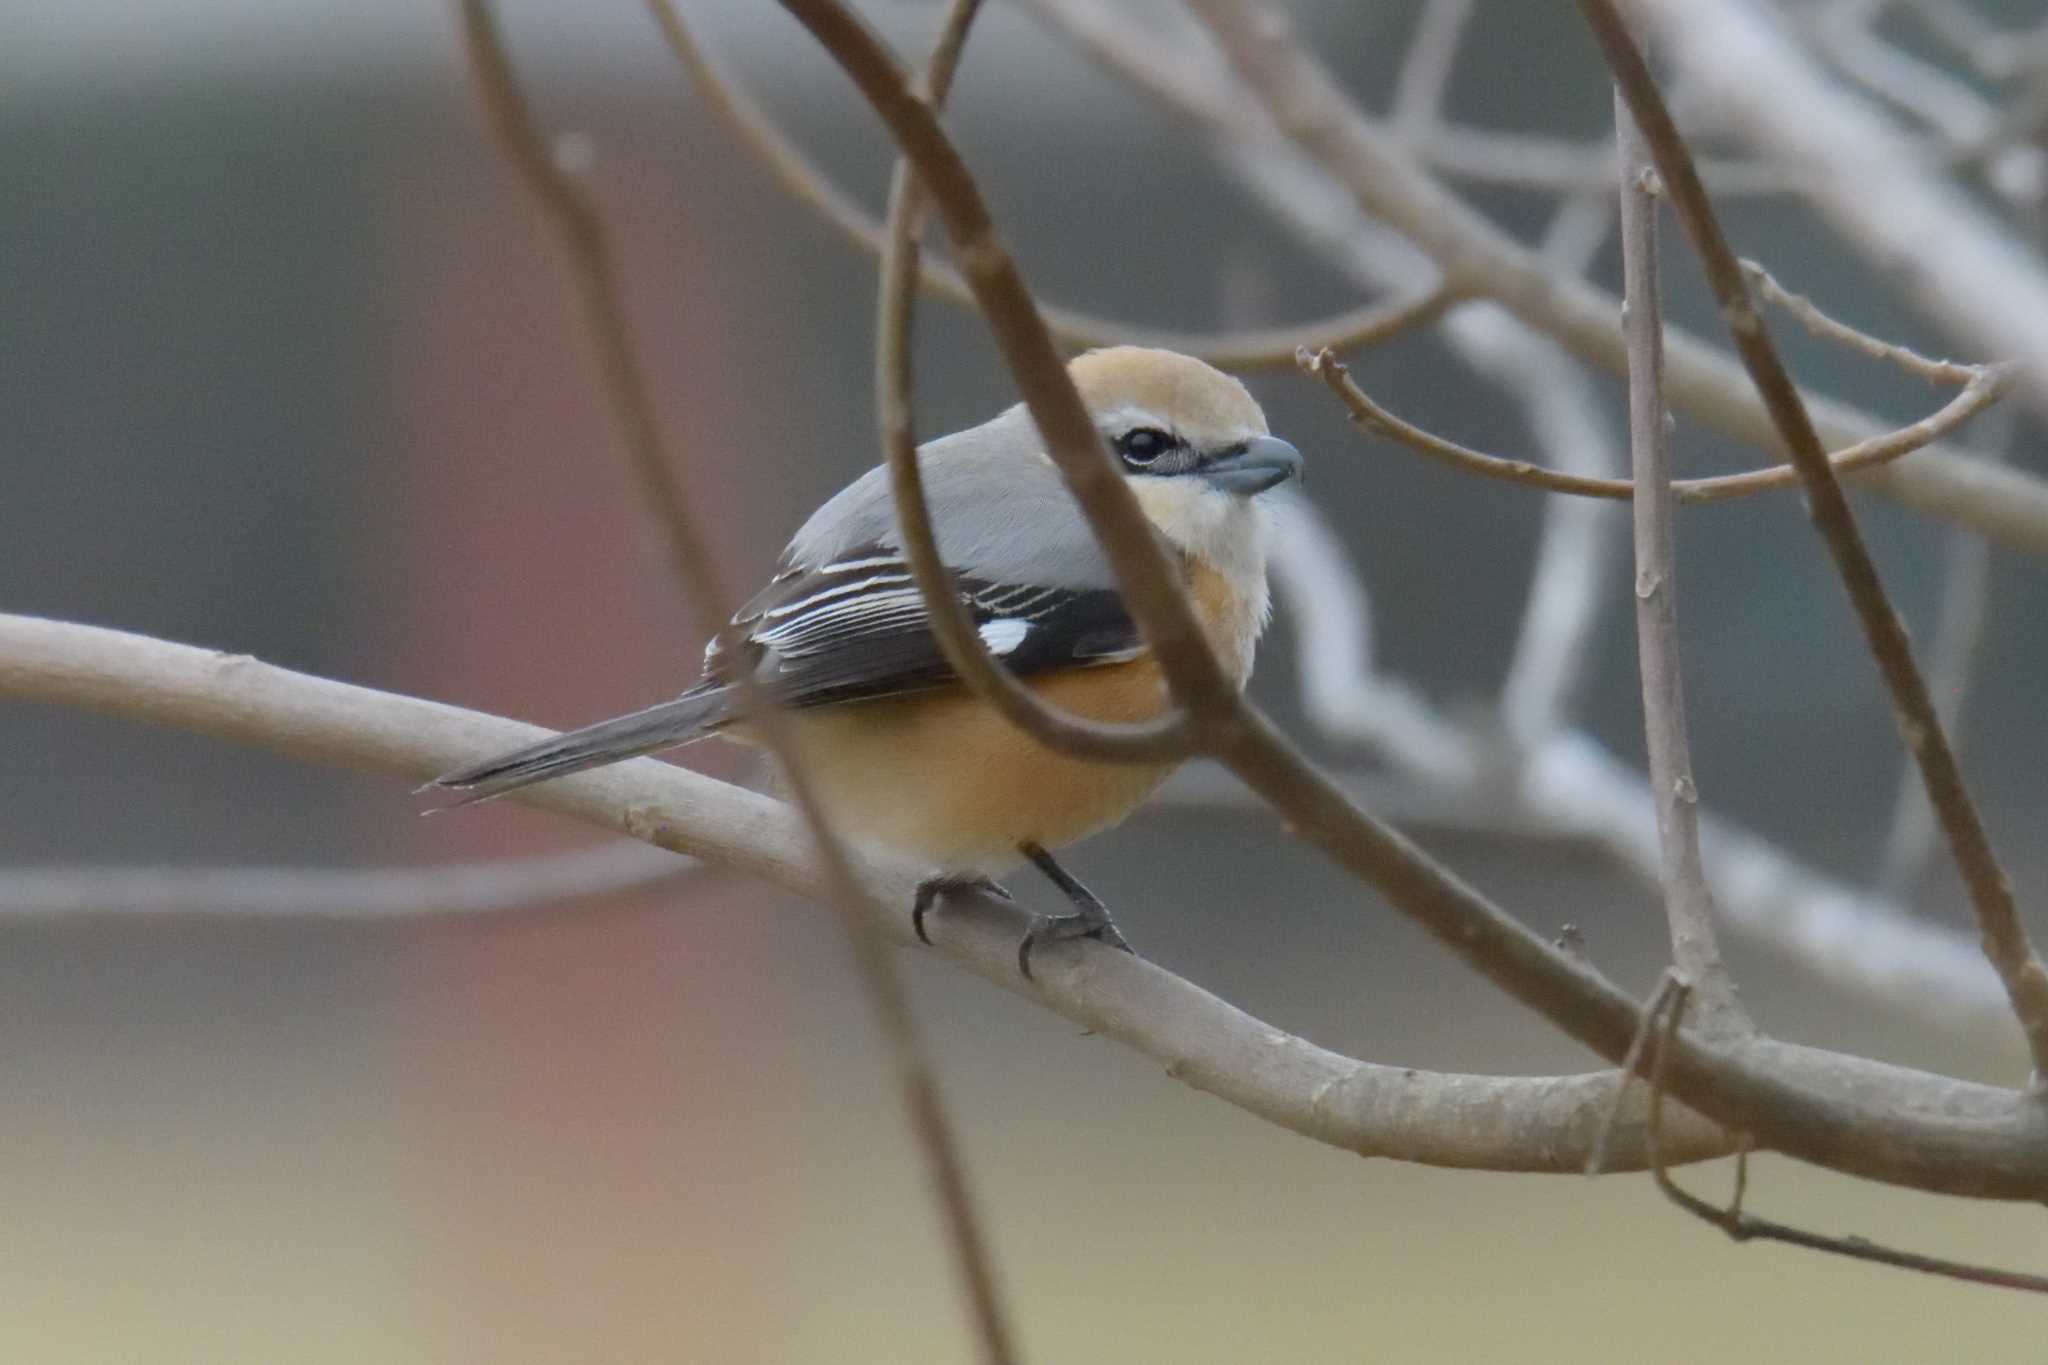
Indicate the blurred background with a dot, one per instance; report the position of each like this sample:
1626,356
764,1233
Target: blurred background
293,370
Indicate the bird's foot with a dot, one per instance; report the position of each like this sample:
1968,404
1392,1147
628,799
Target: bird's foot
1060,928
1089,918
931,888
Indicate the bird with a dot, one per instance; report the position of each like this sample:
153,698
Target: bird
896,748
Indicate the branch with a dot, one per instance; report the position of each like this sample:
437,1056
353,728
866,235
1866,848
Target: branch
1985,385
350,895
1688,904
1145,575
1562,612
1744,1227
1567,786
1503,1123
1811,1105
1956,264
632,406
1261,348
1951,669
2005,939
1166,738
1307,107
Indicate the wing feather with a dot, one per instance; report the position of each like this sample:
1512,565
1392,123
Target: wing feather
855,628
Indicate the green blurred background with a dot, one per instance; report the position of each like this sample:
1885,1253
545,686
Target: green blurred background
292,369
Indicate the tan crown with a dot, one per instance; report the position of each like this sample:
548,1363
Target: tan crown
1194,400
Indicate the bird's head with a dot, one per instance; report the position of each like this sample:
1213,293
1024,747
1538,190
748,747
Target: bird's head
1192,443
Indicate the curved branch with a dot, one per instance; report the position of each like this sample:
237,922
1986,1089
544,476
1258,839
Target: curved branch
1987,384
1308,108
1903,1125
1146,576
1268,348
1164,739
1507,1123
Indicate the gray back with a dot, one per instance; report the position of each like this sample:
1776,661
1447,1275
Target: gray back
1002,518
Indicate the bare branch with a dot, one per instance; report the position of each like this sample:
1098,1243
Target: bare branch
1145,576
1987,384
1790,1101
347,895
1951,669
1426,68
1808,314
1164,739
1744,1227
625,388
1961,116
1567,786
1632,1061
1258,348
1688,904
1306,106
1953,261
1479,1122
2006,944
1562,611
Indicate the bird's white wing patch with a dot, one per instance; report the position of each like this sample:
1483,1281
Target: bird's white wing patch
1004,634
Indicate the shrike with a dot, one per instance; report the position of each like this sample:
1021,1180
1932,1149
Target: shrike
898,750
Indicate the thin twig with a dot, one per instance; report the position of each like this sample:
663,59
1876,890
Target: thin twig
1251,349
1688,903
1161,740
1632,1065
597,290
1746,1227
2005,940
1986,386
1808,314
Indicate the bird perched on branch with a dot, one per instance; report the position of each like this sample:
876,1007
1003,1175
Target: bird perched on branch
897,749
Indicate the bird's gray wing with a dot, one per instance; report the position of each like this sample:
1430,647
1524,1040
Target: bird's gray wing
842,620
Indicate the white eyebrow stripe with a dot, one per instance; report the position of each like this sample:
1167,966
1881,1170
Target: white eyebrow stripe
1128,415
803,604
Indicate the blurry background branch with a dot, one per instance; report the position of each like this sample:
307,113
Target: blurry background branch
586,245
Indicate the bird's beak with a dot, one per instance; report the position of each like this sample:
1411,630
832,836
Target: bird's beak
1265,462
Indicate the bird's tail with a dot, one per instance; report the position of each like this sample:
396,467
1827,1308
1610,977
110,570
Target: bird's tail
688,717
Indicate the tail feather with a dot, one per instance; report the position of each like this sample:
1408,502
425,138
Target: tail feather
688,717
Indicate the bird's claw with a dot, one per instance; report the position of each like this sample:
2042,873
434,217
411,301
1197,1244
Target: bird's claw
1095,924
931,888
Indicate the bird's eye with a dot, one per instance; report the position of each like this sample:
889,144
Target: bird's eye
1143,445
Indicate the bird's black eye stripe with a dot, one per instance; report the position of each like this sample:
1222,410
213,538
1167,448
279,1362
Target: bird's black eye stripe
1142,446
